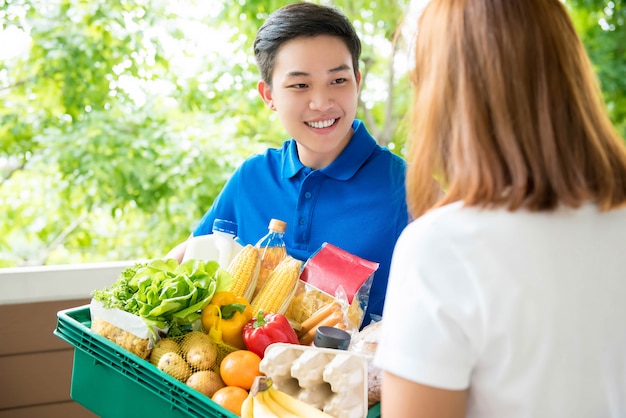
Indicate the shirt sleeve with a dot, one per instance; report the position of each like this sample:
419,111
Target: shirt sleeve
431,320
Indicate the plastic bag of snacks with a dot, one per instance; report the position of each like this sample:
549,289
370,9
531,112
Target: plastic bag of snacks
311,308
365,343
124,329
333,290
332,267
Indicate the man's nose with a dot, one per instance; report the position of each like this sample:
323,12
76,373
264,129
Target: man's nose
321,100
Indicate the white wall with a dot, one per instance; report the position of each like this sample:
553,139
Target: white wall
59,282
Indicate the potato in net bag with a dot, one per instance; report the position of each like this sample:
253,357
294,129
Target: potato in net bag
193,359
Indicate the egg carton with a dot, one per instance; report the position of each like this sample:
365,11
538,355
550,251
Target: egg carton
333,381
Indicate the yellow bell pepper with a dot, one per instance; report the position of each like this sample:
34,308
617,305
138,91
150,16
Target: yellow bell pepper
227,314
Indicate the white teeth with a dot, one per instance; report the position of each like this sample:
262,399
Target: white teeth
321,124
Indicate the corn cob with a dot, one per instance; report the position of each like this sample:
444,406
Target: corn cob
279,287
245,270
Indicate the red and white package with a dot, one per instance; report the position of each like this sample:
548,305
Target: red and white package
342,275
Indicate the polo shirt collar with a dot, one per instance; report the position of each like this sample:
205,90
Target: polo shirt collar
358,150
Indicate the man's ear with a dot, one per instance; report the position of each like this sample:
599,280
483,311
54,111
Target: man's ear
358,80
265,91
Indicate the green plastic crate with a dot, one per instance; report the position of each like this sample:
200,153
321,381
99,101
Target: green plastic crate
113,382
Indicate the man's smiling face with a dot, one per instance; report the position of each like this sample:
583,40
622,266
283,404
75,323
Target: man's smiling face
315,93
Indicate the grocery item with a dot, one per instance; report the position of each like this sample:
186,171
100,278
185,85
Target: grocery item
365,343
163,294
226,315
332,381
244,269
272,250
329,315
192,358
231,398
331,337
337,272
279,287
266,329
174,365
220,246
206,382
198,350
163,346
306,301
265,401
125,339
239,368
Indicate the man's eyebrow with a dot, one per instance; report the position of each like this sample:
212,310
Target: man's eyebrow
343,67
292,74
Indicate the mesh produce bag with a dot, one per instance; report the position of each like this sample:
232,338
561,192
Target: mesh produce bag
193,358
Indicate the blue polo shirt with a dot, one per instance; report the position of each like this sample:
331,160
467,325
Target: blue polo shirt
356,203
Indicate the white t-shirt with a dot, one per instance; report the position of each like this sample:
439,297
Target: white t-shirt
526,309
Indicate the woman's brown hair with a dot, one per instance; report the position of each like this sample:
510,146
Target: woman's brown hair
508,112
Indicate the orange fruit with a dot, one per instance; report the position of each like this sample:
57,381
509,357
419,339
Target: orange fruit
239,368
231,398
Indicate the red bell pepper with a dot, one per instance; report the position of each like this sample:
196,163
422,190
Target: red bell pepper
266,329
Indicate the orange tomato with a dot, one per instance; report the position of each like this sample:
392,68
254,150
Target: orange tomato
231,398
239,368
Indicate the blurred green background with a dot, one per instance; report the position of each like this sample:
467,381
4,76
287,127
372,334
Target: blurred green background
122,119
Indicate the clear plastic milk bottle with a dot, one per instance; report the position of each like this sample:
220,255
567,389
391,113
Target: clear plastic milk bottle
272,250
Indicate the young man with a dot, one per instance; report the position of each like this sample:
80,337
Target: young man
331,182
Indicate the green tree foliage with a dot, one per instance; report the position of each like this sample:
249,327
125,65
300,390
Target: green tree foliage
122,119
602,26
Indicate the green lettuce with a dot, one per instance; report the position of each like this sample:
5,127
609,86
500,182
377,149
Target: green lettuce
164,293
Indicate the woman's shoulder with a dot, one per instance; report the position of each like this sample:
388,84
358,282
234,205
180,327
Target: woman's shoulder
458,222
442,215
